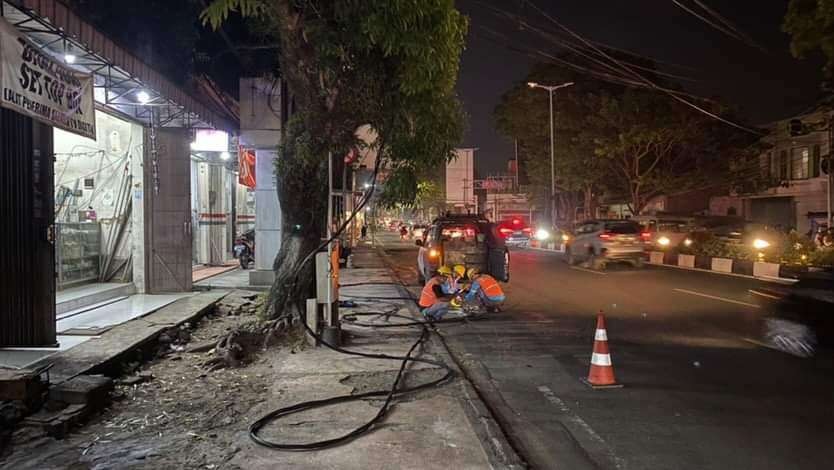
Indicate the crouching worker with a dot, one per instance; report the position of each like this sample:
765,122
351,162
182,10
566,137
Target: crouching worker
436,295
486,290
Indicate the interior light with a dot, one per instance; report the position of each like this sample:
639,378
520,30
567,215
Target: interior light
225,155
69,58
760,244
142,96
663,241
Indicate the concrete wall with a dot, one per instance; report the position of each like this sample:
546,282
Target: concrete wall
260,128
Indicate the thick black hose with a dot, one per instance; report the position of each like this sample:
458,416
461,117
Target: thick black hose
390,394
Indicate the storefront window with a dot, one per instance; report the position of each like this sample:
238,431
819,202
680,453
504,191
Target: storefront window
94,193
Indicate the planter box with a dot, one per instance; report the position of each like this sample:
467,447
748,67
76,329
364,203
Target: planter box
703,262
686,261
766,269
722,265
743,267
656,257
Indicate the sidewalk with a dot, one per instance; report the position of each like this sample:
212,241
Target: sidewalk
440,428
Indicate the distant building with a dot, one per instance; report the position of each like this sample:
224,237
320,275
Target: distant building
460,182
797,195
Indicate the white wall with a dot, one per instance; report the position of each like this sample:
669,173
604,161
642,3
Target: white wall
460,174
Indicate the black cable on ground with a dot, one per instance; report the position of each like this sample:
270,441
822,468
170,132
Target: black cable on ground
390,394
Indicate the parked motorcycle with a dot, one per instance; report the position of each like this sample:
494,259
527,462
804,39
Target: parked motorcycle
244,248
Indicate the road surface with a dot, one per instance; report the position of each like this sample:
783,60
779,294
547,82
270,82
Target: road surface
699,392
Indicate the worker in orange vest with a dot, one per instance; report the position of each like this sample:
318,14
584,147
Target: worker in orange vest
485,289
434,299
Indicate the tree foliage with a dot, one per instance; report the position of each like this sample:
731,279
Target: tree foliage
628,144
811,26
391,64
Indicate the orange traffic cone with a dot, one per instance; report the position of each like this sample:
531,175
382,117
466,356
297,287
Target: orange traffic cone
601,374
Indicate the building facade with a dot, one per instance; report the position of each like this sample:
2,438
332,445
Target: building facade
798,190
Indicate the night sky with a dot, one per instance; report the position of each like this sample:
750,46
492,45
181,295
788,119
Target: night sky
765,85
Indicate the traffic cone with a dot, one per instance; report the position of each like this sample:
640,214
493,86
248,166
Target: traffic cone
601,374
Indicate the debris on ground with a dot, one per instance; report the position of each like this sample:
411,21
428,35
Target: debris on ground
180,409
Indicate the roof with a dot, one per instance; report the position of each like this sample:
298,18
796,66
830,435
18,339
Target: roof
119,74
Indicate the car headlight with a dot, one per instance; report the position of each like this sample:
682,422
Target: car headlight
542,234
687,242
760,244
663,241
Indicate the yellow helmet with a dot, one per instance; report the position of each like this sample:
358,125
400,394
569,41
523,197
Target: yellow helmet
472,272
444,270
460,270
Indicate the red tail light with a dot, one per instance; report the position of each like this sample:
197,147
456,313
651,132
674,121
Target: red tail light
505,231
605,236
646,236
527,230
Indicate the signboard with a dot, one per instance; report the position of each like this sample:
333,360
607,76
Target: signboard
246,167
210,140
38,85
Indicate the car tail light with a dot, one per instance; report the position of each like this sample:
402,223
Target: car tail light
527,230
505,231
646,236
605,236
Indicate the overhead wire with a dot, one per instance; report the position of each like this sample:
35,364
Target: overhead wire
640,77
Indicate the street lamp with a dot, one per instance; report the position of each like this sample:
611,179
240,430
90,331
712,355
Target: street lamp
550,89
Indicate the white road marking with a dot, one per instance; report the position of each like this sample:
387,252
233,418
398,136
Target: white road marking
575,419
577,268
713,297
769,296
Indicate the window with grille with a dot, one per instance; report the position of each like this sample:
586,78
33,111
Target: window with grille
800,159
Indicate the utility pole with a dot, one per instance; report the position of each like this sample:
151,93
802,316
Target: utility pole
550,89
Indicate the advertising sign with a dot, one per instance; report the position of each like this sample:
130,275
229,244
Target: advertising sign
246,167
38,85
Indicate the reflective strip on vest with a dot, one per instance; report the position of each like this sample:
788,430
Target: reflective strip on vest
490,286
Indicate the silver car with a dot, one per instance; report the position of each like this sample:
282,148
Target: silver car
599,242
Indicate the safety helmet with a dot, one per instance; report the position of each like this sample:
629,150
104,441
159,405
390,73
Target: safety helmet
460,270
472,272
444,270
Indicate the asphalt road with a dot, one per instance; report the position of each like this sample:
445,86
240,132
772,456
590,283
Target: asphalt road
698,393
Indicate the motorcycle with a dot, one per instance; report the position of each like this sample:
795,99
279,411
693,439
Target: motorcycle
244,249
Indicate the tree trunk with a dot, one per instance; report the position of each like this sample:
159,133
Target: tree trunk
588,203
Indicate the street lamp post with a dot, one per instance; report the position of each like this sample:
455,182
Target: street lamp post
550,89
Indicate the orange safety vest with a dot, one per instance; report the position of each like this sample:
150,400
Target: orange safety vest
489,285
427,296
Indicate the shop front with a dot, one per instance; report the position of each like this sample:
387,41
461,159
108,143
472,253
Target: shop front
94,165
97,230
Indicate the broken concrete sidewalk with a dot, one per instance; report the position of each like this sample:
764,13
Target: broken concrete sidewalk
438,428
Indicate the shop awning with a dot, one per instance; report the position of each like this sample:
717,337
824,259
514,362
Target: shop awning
120,76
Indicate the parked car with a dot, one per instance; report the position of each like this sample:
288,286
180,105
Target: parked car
463,239
803,319
599,242
515,232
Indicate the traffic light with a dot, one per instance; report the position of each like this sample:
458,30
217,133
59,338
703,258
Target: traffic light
796,128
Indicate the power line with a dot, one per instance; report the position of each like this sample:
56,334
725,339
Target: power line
636,75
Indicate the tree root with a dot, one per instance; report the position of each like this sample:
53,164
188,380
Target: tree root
243,343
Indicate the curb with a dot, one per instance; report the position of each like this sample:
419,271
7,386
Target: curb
501,449
768,272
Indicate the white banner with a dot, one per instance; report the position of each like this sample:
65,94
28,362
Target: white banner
37,84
